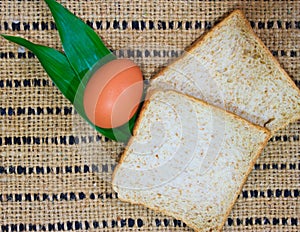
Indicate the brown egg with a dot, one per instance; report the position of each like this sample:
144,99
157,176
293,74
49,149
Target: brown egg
113,93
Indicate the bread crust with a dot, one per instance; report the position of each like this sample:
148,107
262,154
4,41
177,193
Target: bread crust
236,117
197,43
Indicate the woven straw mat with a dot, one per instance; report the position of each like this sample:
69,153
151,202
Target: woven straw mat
55,171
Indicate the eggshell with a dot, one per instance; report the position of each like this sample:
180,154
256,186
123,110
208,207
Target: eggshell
113,93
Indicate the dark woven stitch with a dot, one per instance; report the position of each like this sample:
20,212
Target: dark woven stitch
55,171
141,25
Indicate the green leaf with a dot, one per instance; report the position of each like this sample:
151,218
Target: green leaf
55,64
83,49
60,71
81,44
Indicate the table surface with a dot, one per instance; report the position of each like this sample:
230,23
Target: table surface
55,171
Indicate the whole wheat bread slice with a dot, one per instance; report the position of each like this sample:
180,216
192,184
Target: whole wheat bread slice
231,68
188,159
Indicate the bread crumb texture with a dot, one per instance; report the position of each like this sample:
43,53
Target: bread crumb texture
231,68
188,159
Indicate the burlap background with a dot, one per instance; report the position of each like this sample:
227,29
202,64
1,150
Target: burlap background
55,171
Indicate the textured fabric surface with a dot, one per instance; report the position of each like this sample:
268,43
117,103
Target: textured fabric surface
55,171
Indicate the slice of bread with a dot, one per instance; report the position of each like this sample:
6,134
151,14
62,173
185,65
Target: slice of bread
188,159
231,68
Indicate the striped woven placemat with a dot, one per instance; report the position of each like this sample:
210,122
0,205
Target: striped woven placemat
55,171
